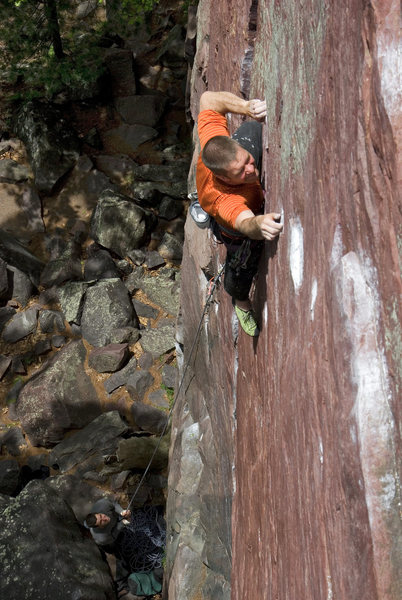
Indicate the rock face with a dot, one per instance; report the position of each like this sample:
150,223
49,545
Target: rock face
42,539
298,455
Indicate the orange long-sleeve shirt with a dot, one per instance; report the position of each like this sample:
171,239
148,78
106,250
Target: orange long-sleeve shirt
222,201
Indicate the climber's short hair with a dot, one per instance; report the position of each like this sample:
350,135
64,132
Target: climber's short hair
218,152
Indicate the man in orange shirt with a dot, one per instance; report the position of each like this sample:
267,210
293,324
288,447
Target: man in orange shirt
229,190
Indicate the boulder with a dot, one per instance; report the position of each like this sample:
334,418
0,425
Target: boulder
169,208
138,383
160,340
136,452
14,253
119,224
99,435
99,265
71,298
169,376
12,172
120,378
51,321
127,138
108,359
6,313
120,65
57,398
52,145
107,307
13,440
41,538
153,259
163,291
9,475
20,286
5,362
141,110
148,418
159,399
118,168
171,248
165,173
21,325
145,310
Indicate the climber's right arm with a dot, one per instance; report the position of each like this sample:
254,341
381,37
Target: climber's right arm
225,102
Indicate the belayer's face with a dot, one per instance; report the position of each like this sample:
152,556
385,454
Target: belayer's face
242,169
101,520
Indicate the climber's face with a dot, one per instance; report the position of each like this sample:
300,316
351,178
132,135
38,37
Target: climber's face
241,170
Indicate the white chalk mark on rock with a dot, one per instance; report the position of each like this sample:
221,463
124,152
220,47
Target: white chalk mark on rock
296,253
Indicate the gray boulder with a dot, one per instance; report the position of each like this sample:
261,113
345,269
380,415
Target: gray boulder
5,362
145,310
141,110
107,307
120,65
51,321
12,172
169,208
9,475
108,359
14,253
120,378
41,539
138,383
119,224
159,399
13,440
6,313
57,398
172,173
102,433
136,452
99,265
21,325
163,291
71,298
127,138
159,340
52,145
148,418
118,168
21,287
171,248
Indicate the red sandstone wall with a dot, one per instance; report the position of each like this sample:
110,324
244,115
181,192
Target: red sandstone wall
311,411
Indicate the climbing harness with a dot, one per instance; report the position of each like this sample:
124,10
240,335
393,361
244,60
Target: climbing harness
211,289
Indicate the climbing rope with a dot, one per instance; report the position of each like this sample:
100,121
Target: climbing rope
211,289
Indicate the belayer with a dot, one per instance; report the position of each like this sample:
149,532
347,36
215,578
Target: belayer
230,192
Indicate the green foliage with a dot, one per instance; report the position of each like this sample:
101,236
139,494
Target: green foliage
169,394
45,48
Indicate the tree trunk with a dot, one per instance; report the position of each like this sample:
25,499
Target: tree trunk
53,26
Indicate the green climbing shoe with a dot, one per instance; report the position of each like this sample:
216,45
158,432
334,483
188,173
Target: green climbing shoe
247,321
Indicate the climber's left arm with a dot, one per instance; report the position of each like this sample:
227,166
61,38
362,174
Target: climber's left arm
225,102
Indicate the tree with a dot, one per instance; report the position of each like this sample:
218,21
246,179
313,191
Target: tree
45,48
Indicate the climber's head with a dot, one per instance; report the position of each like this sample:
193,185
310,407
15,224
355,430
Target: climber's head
229,161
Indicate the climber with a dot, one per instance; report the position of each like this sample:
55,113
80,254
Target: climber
106,523
229,190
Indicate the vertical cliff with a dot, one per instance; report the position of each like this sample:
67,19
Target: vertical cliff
285,476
